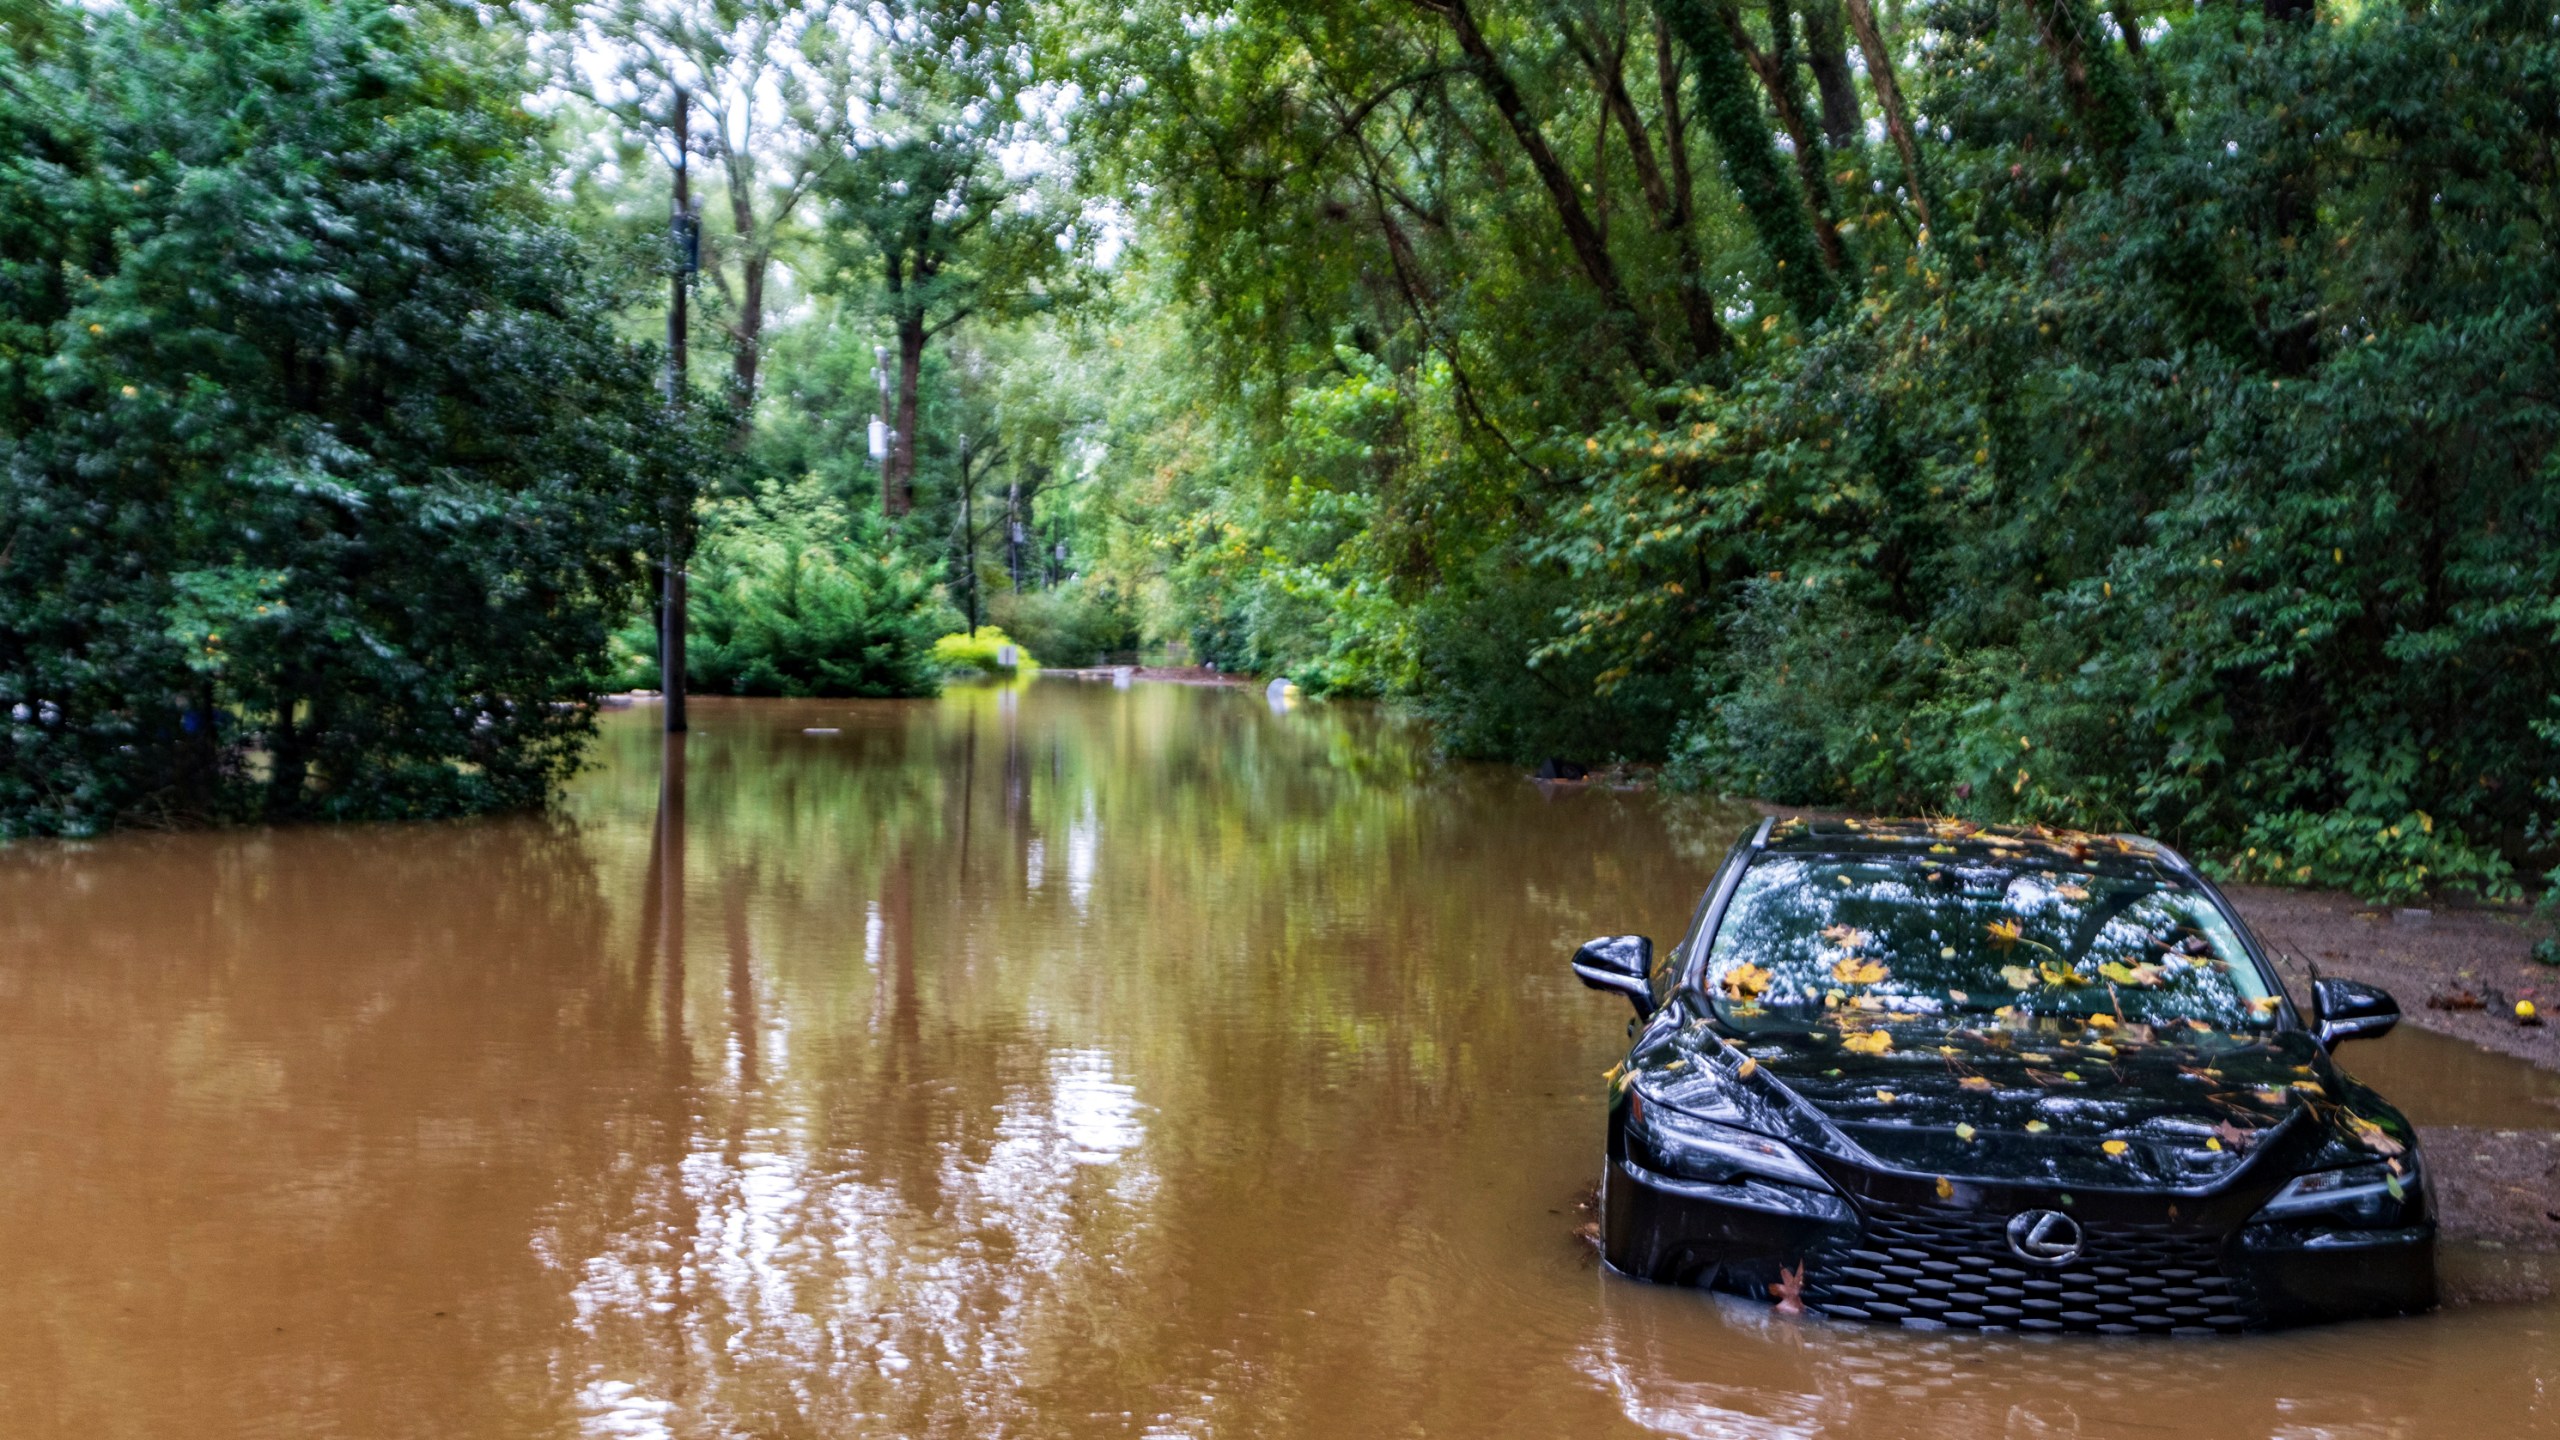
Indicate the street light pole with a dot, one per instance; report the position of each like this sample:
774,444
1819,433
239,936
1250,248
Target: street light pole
688,259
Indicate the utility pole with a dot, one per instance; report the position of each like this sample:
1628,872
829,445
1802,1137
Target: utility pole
687,247
968,535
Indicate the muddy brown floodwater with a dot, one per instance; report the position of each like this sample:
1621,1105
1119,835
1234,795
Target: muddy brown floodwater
1061,1061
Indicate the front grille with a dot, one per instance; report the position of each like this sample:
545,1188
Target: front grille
1930,1267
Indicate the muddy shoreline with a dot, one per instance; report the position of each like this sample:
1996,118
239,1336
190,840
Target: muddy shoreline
2497,1188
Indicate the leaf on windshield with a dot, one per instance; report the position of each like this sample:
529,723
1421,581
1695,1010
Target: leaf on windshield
1867,1042
2113,1147
2061,975
2018,977
1964,1132
2004,933
1847,937
2144,974
1859,970
2072,892
1745,981
1974,1082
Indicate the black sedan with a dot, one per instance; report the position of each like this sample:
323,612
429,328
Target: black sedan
1947,1075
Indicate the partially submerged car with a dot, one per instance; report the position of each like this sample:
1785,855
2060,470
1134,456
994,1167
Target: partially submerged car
1949,1075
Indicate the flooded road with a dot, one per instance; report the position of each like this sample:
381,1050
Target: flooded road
1062,1061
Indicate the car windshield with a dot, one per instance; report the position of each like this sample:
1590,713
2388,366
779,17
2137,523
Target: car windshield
1806,933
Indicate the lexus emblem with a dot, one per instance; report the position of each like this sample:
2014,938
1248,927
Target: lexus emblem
2044,1237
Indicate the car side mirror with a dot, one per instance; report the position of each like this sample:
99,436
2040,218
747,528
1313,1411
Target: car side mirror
2346,1010
1623,963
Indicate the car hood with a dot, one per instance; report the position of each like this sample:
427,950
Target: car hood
2050,1102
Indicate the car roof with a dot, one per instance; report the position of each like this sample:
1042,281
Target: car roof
1967,839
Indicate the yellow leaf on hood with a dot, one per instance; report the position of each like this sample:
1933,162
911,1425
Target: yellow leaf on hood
2113,1147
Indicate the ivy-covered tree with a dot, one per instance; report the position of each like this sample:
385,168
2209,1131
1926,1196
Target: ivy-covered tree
323,473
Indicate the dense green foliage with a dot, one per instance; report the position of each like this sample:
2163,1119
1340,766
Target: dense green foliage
2165,441
2131,419
793,596
322,475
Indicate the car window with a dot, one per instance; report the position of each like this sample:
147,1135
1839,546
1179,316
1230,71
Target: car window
1807,933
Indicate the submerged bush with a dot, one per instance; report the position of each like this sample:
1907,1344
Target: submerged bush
1082,622
792,595
981,652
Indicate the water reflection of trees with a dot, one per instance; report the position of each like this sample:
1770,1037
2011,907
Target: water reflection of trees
1069,1009
282,1105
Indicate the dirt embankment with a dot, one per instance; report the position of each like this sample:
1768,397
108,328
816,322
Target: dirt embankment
2458,972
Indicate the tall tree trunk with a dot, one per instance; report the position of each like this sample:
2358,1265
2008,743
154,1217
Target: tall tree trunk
1675,128
747,356
1670,205
1897,119
755,258
1726,99
1826,52
898,477
288,759
1777,72
2093,79
1588,246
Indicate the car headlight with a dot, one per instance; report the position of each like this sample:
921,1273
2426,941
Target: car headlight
1696,1149
2355,1195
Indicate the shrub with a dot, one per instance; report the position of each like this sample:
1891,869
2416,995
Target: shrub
961,652
792,595
1082,622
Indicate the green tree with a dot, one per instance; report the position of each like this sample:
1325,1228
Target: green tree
322,474
923,207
